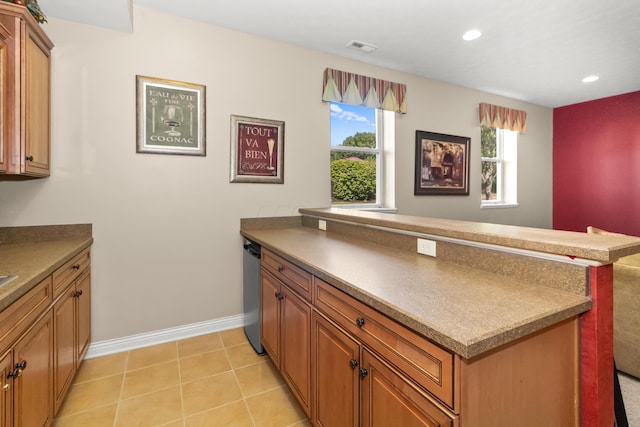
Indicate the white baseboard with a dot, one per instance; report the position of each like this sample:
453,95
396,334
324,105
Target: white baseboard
117,345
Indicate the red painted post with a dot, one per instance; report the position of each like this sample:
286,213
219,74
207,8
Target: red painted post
597,351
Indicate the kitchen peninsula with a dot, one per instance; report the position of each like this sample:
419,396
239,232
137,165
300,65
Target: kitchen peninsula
504,324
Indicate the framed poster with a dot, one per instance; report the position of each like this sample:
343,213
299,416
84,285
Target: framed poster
441,164
257,150
170,117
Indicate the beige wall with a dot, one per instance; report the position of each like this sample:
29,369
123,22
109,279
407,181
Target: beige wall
167,250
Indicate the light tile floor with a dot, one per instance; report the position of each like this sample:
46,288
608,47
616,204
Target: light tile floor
210,380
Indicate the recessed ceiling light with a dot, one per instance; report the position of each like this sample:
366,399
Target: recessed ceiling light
471,35
590,79
365,47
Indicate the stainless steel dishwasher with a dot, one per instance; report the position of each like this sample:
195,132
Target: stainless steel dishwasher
251,293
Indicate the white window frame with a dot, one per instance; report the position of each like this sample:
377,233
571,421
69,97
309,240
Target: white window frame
507,170
385,131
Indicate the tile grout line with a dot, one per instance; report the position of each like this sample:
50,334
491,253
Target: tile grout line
184,416
124,376
244,398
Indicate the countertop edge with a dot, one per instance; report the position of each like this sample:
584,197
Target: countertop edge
12,291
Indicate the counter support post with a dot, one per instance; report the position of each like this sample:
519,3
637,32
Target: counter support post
596,339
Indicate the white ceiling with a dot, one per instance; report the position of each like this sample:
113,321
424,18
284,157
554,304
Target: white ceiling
535,51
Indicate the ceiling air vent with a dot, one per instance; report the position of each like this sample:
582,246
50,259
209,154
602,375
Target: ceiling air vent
362,46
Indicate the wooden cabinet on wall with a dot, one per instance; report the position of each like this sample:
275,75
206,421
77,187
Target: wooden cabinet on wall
286,323
43,338
24,95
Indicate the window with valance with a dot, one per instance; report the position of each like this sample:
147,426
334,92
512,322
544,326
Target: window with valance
361,172
499,154
355,89
494,116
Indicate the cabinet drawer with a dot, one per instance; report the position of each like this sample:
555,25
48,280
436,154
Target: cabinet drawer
22,313
290,274
70,271
424,362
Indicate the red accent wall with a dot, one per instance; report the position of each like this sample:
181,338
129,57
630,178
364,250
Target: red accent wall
596,165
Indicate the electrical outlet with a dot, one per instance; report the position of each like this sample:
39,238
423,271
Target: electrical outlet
322,224
427,247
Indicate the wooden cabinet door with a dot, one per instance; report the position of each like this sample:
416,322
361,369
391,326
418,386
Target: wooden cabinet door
83,316
295,361
389,399
32,400
270,317
6,399
72,333
25,94
335,376
64,345
37,106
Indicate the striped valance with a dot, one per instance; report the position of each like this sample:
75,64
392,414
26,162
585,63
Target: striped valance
503,118
354,89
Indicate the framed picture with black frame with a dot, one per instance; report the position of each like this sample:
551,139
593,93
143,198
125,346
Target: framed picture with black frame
441,164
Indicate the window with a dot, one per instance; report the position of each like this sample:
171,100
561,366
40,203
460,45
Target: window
361,139
499,153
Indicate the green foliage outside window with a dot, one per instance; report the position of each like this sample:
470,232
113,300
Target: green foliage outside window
353,180
360,139
353,174
488,144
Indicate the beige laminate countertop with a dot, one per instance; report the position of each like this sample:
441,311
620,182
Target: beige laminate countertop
601,248
33,261
465,310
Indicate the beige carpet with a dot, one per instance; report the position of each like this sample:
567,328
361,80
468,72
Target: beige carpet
630,387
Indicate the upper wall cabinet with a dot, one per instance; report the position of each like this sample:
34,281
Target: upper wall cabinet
24,95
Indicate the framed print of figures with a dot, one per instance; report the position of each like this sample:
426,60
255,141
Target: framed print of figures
441,164
170,117
257,150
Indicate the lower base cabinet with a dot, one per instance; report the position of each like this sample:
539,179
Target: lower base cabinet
335,375
295,364
6,398
43,340
72,321
82,326
353,387
270,317
389,399
33,374
64,346
286,327
348,365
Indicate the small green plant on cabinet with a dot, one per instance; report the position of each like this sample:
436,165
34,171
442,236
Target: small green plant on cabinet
33,8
